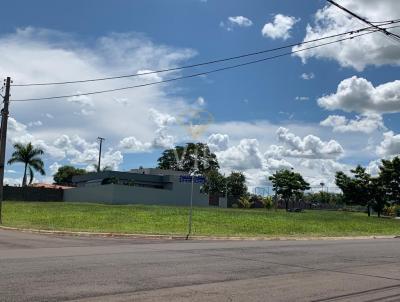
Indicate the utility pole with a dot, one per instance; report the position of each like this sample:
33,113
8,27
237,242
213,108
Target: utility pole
226,192
100,139
3,140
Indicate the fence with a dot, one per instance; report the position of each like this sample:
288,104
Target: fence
32,194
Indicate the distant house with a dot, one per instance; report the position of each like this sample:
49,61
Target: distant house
138,186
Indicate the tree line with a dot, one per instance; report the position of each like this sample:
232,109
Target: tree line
359,188
376,192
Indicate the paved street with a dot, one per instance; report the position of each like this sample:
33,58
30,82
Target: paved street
47,268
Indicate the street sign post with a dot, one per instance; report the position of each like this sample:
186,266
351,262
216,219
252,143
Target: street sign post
192,179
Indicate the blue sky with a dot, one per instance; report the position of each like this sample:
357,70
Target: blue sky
266,116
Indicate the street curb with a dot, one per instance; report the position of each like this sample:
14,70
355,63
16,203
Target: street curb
181,237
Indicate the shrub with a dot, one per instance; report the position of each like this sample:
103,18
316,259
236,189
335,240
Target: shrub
245,203
268,202
393,210
256,201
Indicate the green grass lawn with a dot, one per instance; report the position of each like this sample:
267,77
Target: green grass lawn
206,221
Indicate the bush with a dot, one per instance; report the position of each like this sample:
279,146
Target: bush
393,210
333,199
268,202
245,203
256,201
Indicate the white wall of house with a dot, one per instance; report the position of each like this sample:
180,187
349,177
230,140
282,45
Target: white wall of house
121,194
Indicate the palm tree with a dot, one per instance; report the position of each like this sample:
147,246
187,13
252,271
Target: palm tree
28,155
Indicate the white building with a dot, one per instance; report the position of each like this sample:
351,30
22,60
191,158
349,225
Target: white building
138,186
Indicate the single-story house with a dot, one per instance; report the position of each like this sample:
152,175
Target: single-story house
138,186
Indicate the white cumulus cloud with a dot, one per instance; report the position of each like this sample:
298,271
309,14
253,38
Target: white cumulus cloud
236,21
218,142
241,21
359,95
302,98
41,55
310,146
280,27
132,144
161,137
390,145
365,123
373,49
245,155
307,76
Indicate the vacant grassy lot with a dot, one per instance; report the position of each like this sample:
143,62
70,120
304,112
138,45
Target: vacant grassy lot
206,221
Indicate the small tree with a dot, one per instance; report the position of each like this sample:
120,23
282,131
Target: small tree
64,175
30,157
288,184
390,178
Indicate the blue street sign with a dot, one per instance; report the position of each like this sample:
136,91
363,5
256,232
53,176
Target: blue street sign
196,179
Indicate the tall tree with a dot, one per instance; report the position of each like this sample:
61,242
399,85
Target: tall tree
188,158
236,184
215,183
363,187
287,184
378,195
390,177
356,189
346,184
64,175
30,157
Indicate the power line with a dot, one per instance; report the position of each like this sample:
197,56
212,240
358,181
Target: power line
192,75
384,30
194,65
387,22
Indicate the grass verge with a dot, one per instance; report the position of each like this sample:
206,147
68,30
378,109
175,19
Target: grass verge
140,219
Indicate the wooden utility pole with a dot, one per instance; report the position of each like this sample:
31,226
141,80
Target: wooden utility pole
101,139
3,141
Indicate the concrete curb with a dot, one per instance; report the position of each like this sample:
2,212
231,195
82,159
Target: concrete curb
180,237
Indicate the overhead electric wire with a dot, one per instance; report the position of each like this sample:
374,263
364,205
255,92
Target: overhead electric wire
193,75
388,33
194,65
387,22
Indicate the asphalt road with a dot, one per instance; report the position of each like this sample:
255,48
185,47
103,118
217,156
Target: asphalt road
37,267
